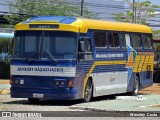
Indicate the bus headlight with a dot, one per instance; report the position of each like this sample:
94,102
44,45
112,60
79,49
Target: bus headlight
21,82
56,82
62,83
16,81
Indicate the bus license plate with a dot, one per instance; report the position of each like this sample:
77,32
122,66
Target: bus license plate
37,95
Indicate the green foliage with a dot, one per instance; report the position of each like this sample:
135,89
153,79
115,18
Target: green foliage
142,11
156,34
5,47
29,8
5,26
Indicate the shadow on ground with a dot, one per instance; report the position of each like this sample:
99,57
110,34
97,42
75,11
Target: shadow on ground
60,102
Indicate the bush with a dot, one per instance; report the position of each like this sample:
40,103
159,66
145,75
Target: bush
5,54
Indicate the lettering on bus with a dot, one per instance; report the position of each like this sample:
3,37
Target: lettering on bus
40,69
109,55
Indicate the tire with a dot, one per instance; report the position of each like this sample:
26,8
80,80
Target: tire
136,87
33,100
88,92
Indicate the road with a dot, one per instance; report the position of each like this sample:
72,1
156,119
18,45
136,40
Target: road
65,108
106,106
51,108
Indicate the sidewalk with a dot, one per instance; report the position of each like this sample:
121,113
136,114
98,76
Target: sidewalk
151,103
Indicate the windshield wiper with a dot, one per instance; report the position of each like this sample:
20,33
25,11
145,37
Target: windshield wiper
37,55
51,57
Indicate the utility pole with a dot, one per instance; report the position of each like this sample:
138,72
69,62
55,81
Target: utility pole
82,2
133,9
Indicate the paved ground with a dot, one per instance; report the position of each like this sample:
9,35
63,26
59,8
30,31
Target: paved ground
154,89
129,103
149,101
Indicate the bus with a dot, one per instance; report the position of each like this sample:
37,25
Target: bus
68,58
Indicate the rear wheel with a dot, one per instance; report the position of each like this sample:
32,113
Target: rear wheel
33,100
136,87
88,92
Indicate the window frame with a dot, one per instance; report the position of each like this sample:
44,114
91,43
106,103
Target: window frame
113,32
151,42
121,41
99,47
82,53
138,48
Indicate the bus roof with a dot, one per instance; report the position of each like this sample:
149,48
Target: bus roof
6,35
80,24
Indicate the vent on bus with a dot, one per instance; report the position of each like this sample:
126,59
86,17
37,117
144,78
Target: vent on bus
43,26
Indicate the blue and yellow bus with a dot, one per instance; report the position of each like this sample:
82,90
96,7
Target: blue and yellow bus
68,58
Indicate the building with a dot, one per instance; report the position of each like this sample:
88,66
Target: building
4,6
4,10
155,22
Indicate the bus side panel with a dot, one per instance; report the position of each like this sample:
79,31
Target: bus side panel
108,81
145,79
131,82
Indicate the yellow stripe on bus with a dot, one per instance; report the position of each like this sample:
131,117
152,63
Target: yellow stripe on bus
142,62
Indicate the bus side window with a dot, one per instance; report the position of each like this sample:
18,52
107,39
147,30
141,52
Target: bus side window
147,42
113,40
84,50
100,39
110,40
116,40
136,41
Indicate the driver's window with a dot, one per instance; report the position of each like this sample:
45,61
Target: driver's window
85,50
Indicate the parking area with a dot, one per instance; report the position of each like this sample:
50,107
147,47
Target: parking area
148,100
123,103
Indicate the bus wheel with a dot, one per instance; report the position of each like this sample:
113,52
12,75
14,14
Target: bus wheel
88,92
136,87
33,100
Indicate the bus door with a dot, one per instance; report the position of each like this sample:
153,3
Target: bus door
85,58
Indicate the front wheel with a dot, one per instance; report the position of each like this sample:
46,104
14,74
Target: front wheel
88,92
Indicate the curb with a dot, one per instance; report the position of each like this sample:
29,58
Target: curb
91,109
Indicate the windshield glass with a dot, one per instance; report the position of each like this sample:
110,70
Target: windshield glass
45,44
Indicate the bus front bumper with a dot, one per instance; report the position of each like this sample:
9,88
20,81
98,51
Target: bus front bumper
67,94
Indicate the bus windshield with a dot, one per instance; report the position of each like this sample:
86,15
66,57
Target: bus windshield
45,45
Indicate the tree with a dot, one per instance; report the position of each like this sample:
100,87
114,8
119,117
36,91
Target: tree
141,11
24,9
